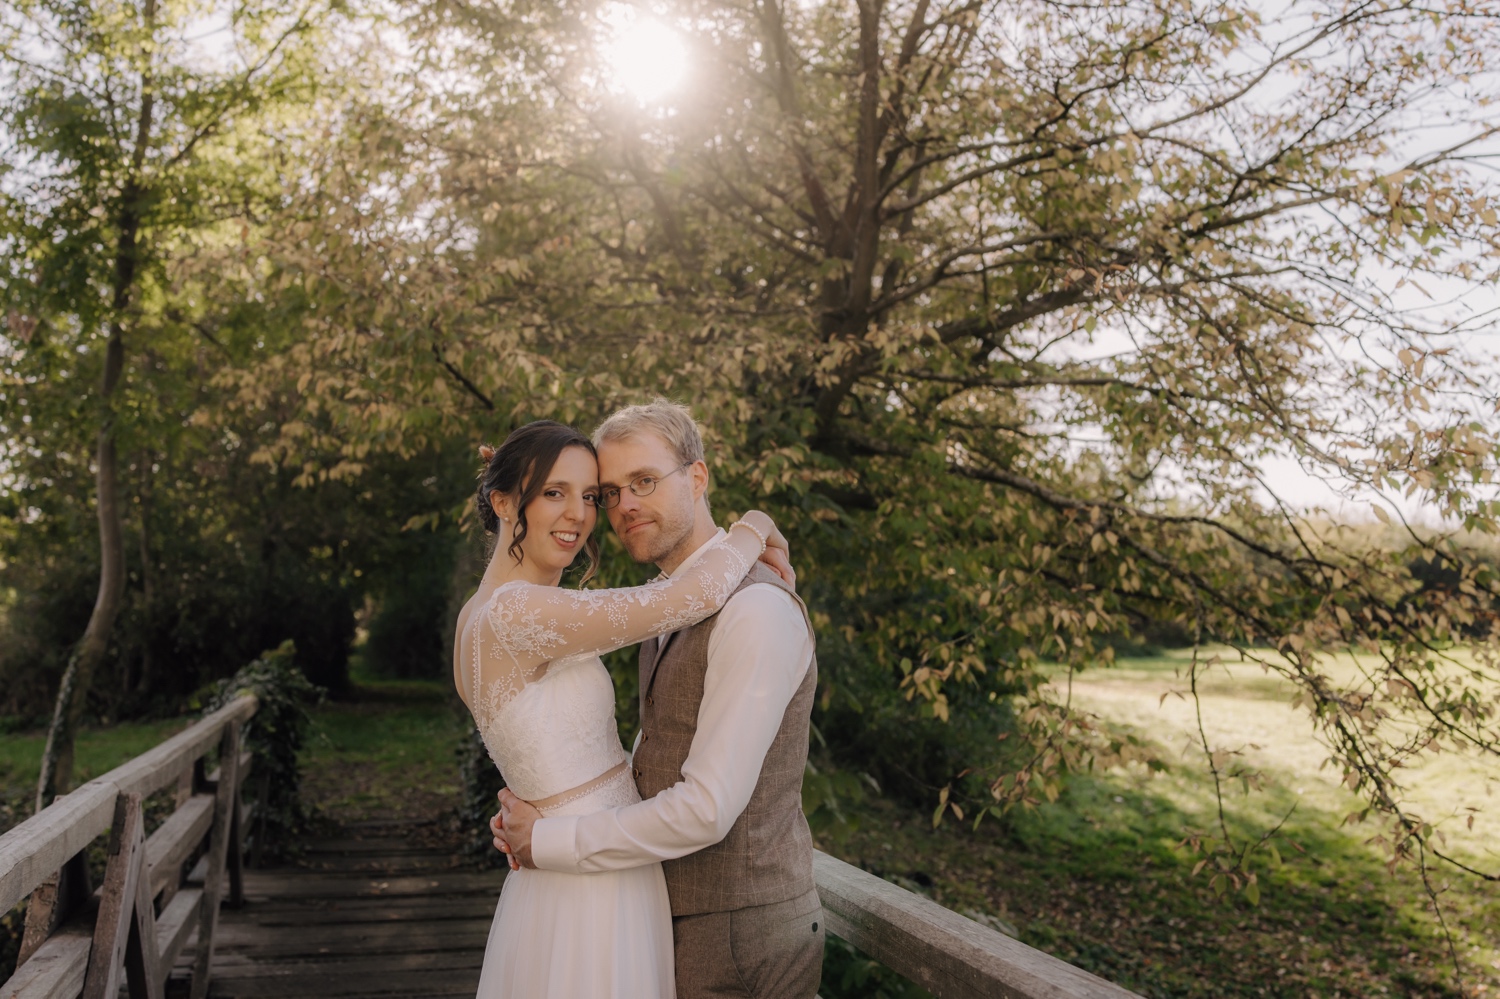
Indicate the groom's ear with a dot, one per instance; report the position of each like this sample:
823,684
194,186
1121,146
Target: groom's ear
699,472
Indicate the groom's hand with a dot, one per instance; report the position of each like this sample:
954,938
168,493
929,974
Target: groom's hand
516,818
776,560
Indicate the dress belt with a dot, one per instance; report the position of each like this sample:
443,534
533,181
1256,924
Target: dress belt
541,804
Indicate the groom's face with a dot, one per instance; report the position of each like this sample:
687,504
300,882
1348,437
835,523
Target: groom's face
651,527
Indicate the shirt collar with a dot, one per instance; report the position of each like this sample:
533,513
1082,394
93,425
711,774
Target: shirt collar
687,563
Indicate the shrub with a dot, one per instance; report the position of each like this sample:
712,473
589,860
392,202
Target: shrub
275,734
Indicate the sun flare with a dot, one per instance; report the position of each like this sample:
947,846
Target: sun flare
648,60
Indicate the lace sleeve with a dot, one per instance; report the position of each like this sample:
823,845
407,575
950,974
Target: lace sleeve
523,627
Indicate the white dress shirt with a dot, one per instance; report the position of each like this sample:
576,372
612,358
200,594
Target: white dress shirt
758,653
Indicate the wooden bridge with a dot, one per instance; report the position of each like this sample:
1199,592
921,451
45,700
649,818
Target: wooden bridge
370,913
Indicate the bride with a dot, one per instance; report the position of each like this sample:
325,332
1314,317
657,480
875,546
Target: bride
526,662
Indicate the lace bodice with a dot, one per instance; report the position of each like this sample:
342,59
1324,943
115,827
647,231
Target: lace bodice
559,733
532,676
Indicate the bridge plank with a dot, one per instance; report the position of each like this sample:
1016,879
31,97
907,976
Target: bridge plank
334,885
309,931
390,937
273,912
367,864
462,981
349,963
949,955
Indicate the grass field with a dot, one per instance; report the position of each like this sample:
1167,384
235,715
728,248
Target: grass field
96,751
1098,878
1102,879
1248,710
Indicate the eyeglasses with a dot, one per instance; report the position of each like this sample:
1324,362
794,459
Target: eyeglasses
643,485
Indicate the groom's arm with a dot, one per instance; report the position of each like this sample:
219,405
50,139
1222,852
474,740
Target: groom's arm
758,654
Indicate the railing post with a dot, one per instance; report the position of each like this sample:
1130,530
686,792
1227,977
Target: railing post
218,849
236,858
120,901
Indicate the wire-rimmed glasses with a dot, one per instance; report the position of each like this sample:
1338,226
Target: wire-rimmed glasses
641,485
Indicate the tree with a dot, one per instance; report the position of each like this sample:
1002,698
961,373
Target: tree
128,141
1007,306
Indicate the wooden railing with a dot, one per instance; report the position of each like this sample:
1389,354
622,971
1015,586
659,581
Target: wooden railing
947,954
80,941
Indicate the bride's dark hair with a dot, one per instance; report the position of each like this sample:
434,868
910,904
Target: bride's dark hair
519,468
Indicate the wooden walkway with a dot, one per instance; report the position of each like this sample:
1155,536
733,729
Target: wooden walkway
369,913
372,910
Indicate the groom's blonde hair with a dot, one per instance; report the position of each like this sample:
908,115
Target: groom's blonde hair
671,421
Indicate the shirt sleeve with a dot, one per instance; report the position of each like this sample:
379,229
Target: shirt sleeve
758,654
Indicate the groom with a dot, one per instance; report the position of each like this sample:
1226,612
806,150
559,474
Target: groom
725,707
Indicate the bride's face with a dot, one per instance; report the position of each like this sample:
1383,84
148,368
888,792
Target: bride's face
561,517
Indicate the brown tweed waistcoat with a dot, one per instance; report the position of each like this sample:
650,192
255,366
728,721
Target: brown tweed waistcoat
767,855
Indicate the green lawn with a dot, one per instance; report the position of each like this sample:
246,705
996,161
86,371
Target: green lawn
96,751
389,754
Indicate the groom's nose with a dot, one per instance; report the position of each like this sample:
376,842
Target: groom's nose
629,503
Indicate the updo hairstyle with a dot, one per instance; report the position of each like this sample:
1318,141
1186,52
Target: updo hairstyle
519,468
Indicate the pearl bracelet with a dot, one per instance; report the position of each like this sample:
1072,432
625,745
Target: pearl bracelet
753,530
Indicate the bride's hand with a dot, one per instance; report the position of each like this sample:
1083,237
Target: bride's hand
497,836
762,522
778,555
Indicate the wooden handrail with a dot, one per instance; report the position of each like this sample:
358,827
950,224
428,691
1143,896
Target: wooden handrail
949,955
84,942
32,851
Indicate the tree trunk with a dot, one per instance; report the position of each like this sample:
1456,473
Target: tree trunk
72,695
146,681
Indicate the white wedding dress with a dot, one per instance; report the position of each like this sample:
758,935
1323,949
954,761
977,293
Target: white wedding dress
545,706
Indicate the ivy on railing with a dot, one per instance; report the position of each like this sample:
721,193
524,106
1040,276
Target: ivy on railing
275,735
